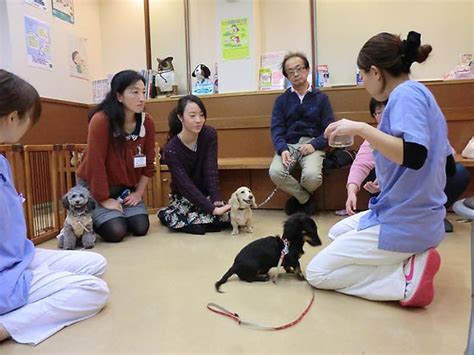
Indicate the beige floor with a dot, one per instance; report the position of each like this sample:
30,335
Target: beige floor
160,285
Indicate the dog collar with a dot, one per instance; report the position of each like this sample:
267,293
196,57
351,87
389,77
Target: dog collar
284,252
286,248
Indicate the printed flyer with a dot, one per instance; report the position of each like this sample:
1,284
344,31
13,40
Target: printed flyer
77,57
38,43
64,10
235,39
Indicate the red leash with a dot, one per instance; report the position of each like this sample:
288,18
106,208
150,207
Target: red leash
213,307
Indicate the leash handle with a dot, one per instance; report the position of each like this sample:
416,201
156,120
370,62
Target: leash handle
295,155
214,307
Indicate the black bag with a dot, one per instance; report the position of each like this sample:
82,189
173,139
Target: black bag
337,158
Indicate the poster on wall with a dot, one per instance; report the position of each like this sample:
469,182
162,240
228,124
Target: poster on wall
235,39
63,9
77,57
271,62
40,4
38,43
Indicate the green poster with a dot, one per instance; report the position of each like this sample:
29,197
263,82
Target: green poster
235,39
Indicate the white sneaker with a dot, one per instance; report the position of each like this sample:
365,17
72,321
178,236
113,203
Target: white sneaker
422,269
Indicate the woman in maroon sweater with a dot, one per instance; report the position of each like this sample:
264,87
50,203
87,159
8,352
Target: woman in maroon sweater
191,154
119,159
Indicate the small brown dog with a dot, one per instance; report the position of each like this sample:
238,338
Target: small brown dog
241,203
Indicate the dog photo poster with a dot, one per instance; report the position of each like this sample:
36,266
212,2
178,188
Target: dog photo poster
64,10
38,43
77,57
235,39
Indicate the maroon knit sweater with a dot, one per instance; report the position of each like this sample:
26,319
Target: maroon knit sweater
108,160
194,174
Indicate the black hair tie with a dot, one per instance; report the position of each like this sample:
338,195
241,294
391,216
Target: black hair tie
409,49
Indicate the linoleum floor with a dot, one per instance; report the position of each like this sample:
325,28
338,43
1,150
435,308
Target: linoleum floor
160,285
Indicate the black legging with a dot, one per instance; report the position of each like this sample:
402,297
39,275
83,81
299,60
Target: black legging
116,229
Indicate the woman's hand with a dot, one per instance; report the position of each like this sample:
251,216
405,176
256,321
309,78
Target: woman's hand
372,186
133,199
219,211
219,203
351,202
112,204
343,127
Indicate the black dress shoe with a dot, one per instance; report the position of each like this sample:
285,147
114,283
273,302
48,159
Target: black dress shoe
448,227
309,207
292,206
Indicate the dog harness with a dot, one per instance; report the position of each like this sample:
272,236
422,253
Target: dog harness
214,307
284,252
80,224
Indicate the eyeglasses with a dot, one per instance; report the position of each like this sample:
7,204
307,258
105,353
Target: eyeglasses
293,71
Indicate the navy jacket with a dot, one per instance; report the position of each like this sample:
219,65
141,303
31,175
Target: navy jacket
292,120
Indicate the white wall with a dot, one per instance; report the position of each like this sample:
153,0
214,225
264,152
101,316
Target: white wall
285,26
238,75
4,37
168,37
56,83
277,25
343,26
203,44
122,33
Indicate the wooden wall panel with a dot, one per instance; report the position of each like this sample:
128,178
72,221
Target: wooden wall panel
243,120
243,124
61,122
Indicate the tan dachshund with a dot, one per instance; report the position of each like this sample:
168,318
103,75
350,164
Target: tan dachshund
241,203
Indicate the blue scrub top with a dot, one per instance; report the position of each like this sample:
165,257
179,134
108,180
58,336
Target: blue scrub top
410,207
16,251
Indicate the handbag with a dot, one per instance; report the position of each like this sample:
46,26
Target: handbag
338,158
468,151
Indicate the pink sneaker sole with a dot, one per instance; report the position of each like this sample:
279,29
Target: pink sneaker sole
424,293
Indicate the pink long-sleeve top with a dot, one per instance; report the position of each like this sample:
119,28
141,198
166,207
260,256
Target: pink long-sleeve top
362,165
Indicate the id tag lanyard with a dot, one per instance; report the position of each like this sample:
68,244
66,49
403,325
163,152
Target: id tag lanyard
139,160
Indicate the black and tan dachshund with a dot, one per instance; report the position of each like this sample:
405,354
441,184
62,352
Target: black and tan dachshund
254,261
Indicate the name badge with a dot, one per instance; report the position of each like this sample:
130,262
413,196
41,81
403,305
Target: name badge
139,160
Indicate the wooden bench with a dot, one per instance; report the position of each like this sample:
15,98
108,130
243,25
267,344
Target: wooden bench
253,172
468,163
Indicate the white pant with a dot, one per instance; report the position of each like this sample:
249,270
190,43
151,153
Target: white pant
64,290
353,264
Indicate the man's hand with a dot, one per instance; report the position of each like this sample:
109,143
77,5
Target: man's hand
306,149
286,158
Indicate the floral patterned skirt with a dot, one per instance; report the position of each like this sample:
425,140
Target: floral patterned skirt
181,213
